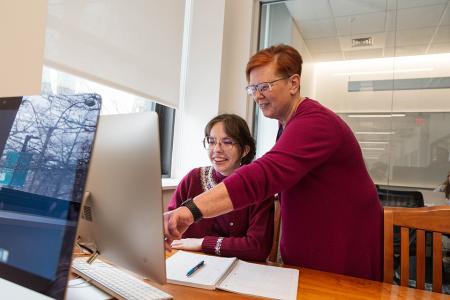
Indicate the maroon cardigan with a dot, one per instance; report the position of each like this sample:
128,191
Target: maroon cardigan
331,216
247,233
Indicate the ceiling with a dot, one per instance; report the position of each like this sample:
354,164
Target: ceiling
397,27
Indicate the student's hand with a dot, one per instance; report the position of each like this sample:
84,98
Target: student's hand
190,244
176,222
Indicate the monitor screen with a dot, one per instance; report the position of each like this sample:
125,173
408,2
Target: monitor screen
45,147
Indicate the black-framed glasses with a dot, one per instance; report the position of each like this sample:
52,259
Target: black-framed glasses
210,142
261,87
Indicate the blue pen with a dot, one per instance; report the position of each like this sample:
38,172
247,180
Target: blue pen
198,266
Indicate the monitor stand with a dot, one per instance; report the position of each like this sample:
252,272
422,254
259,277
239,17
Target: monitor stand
85,239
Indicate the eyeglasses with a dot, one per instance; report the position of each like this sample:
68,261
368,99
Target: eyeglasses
210,143
261,87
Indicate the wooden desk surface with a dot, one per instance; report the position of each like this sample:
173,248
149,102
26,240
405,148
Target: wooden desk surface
317,285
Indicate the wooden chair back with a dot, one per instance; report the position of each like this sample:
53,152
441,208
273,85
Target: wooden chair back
434,219
276,232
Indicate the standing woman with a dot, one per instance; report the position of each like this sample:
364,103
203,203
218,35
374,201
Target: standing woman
246,233
331,217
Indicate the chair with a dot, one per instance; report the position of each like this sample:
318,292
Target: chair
434,219
276,232
399,198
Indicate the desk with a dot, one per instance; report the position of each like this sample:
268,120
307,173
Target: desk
318,285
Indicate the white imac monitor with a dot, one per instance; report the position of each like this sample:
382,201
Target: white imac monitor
123,216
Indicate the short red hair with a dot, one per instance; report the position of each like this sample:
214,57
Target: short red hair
288,60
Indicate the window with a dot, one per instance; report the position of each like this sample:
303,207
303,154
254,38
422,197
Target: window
116,102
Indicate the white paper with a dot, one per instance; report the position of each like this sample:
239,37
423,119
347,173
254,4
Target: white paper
80,289
262,280
206,277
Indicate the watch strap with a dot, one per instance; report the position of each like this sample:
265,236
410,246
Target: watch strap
193,208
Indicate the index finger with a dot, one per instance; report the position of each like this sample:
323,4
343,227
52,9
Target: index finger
167,245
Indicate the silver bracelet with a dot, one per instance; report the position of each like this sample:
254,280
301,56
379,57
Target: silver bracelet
218,245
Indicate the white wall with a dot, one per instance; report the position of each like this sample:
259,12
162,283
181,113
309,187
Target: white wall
22,36
237,48
217,47
199,100
166,196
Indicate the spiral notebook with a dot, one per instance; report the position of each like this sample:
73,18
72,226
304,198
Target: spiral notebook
233,275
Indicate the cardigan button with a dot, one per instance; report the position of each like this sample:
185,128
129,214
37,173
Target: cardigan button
231,223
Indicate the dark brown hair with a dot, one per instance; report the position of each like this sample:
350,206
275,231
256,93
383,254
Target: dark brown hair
237,129
287,59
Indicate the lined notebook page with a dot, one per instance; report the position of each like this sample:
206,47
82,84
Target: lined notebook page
261,280
206,277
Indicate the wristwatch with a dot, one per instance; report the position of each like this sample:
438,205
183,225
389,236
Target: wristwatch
195,211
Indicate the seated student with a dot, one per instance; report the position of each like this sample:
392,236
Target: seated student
445,187
246,233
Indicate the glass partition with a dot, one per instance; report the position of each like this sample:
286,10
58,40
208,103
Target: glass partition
407,149
383,69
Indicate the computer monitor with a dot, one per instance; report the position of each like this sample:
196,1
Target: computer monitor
123,216
45,147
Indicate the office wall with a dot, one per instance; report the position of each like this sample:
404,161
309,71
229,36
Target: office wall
166,195
238,40
219,43
22,36
200,83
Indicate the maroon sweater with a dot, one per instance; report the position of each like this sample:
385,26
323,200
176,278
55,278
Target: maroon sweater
247,233
331,216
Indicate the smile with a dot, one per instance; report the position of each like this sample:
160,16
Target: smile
219,160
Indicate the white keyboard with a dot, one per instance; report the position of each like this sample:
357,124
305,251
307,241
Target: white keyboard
115,281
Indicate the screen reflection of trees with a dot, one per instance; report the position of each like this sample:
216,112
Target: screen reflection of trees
49,144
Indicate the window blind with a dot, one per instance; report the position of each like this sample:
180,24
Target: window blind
134,45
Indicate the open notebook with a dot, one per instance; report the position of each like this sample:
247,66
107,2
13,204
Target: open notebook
233,275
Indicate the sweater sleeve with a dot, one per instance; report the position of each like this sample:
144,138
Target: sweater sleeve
307,142
257,242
